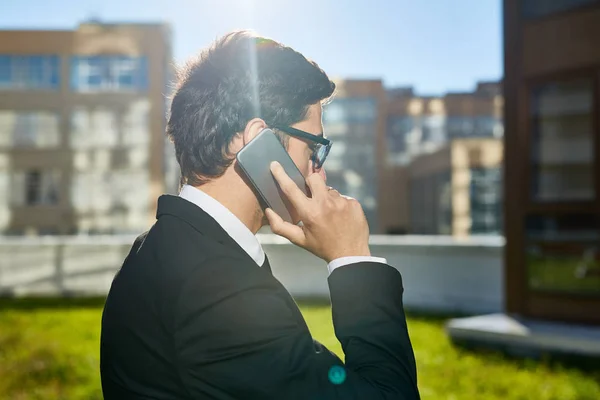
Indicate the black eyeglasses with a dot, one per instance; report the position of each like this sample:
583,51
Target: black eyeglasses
320,149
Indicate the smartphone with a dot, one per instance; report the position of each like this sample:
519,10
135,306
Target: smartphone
254,160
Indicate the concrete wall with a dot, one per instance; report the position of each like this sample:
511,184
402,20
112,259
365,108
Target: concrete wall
441,274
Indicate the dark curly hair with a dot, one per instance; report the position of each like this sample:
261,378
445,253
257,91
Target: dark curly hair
240,77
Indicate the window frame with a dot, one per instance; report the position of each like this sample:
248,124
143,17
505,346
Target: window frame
528,15
109,71
20,70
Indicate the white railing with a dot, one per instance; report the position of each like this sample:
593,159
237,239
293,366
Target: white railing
440,273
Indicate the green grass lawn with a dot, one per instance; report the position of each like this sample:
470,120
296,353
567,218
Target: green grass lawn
49,350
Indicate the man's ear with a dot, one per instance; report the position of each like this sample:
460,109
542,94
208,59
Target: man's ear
252,129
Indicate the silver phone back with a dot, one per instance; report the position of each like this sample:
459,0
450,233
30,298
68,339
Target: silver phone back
255,159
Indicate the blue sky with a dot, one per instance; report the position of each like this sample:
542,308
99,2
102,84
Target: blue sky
433,45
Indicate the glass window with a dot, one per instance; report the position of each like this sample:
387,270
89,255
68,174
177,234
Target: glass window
541,8
562,149
485,126
399,128
92,128
5,71
109,73
82,191
352,109
29,129
333,130
81,135
104,122
459,126
398,134
50,187
486,200
36,129
563,254
29,72
135,123
24,130
35,187
116,201
363,110
433,129
334,113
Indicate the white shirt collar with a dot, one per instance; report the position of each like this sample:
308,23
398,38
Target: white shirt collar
228,221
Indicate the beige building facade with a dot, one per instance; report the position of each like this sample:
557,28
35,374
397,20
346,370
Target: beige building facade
82,122
417,126
378,134
457,190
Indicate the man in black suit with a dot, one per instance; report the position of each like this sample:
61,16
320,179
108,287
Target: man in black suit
194,312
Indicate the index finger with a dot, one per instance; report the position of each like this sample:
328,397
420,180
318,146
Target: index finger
289,187
317,185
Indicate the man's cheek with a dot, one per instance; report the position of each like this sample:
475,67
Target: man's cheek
307,170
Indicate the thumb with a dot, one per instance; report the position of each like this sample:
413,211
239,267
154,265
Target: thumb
292,232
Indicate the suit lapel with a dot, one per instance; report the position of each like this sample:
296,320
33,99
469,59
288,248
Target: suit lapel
266,265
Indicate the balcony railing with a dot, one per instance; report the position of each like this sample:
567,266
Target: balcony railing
440,273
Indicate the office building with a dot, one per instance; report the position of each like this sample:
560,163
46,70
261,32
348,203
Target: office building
82,122
552,159
355,122
421,125
456,190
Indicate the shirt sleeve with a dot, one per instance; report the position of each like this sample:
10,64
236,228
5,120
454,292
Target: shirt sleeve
340,262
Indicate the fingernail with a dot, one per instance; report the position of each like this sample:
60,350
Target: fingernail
269,214
274,164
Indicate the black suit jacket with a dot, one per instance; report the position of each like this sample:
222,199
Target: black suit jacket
191,316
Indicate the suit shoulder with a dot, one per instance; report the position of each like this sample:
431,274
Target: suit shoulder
175,240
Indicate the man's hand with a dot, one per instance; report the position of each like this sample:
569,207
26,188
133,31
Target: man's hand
334,226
